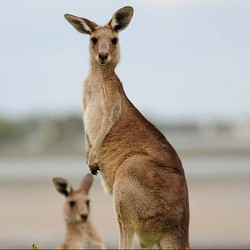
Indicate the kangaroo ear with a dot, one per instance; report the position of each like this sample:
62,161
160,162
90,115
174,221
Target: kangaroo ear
121,18
87,182
82,25
62,186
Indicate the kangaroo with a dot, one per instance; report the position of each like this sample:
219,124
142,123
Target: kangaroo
80,231
137,164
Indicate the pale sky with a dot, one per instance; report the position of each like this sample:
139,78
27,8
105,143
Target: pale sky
180,59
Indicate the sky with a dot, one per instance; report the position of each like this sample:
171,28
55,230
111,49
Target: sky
180,59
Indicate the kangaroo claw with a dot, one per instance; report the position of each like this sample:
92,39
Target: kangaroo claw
94,170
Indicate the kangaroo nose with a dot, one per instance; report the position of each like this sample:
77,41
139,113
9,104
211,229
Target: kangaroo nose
103,57
84,217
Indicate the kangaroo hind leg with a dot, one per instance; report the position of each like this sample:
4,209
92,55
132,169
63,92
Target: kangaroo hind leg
146,244
126,237
173,241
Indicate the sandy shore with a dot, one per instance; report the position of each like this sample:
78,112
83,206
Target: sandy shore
31,211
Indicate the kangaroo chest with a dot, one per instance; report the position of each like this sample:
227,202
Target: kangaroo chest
93,110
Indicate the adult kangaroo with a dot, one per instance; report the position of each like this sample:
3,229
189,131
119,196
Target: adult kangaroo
137,164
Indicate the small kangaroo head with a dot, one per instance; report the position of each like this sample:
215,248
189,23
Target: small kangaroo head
104,40
76,206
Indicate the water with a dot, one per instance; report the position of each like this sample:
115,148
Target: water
202,167
42,167
217,167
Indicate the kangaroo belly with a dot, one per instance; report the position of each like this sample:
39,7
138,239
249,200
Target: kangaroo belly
93,114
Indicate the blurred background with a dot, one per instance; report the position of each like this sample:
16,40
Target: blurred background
185,66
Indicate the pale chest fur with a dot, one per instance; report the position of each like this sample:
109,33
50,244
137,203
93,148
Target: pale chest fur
82,236
93,107
86,241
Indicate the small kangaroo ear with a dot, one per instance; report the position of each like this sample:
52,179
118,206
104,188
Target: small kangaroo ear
87,182
121,18
62,186
82,25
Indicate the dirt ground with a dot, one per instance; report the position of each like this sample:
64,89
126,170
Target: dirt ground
31,212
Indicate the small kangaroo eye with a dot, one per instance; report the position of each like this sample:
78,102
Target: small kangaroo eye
114,40
87,203
94,40
72,203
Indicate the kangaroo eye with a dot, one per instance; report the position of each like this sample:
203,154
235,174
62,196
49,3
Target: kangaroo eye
72,203
87,203
114,40
94,40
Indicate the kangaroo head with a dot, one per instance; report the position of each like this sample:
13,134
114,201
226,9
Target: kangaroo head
76,206
104,40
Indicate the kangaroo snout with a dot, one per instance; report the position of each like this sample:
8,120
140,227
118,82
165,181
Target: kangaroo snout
103,56
84,217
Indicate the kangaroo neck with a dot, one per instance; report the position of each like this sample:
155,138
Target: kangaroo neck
76,228
103,71
105,76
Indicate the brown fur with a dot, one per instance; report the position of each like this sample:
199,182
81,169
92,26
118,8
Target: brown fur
137,164
80,232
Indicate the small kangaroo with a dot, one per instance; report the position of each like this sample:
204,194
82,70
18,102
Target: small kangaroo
137,164
80,231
